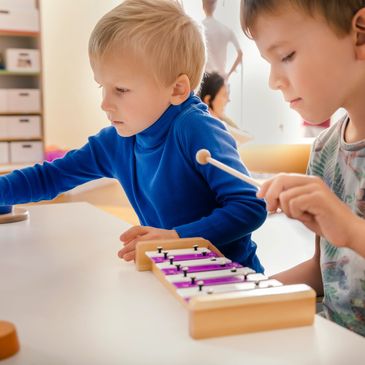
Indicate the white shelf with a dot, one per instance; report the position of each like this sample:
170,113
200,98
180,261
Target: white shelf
21,40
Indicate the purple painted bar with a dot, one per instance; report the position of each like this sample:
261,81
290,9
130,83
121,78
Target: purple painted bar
186,257
213,281
201,268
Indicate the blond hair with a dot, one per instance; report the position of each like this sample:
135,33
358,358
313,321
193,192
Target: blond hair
159,32
338,13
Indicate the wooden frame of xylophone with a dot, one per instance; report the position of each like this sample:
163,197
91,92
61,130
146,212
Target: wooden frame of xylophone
234,312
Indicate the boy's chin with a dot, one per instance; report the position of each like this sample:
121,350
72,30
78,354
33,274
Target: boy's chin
314,119
124,133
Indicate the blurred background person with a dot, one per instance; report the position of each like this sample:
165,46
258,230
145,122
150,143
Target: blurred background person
218,37
214,92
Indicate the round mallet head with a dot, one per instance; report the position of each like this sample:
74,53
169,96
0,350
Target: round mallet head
202,156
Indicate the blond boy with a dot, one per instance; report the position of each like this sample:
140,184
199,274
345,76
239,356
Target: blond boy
148,57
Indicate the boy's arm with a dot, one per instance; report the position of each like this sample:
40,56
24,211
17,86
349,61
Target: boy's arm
45,181
219,227
238,59
238,212
308,272
237,62
356,240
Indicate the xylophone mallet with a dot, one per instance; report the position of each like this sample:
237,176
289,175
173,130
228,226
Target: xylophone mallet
203,157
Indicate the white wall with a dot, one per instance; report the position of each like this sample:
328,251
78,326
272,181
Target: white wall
72,99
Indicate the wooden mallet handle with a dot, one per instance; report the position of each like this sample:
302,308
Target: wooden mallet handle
203,157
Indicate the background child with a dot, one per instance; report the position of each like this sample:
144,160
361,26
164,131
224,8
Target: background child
316,50
214,92
147,56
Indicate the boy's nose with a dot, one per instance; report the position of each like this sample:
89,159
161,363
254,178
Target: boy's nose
106,105
276,81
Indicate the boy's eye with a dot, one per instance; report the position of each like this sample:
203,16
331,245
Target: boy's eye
289,57
121,90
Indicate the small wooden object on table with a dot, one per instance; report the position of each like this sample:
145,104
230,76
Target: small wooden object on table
9,214
9,344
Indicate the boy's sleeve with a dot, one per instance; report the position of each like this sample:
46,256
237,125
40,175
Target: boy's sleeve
239,211
311,158
46,181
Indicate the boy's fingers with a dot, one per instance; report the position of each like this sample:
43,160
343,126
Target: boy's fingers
300,206
272,189
264,188
133,232
300,211
129,256
138,233
127,248
289,199
131,245
271,205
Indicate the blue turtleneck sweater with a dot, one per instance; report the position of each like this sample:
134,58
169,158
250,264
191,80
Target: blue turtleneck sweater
163,181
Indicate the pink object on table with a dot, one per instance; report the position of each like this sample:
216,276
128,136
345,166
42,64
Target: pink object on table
53,152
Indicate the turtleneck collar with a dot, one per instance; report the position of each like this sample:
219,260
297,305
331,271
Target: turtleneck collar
155,134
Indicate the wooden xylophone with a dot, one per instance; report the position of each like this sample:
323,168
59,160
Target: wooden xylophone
224,298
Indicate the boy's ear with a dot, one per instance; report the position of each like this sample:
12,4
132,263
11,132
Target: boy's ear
358,26
206,99
181,90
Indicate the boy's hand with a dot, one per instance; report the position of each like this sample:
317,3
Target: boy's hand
309,200
141,233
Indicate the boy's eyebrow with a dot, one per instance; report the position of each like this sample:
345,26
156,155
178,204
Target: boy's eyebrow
273,47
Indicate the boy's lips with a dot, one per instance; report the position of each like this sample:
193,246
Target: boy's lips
114,121
294,101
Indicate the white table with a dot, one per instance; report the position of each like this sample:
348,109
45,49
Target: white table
74,302
283,243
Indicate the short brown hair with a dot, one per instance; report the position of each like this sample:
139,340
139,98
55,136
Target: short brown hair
338,13
157,31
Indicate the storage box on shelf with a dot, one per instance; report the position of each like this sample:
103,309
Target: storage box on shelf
21,107
25,152
19,20
21,101
19,4
20,127
22,60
